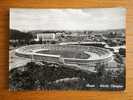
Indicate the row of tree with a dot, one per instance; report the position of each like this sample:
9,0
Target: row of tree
18,38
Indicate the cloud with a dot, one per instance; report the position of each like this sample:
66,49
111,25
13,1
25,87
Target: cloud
67,19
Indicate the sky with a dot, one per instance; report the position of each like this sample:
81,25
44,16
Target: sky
67,19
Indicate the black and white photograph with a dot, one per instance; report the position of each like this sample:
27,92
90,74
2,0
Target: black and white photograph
67,49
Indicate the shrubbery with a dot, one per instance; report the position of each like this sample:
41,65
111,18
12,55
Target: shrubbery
44,76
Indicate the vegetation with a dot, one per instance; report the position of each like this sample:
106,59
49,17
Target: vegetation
20,38
47,76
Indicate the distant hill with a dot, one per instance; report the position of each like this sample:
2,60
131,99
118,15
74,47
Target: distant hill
19,35
117,31
95,31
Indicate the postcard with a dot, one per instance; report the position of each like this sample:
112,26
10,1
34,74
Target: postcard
67,49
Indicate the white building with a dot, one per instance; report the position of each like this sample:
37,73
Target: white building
45,37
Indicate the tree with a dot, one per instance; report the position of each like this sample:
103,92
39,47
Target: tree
122,51
20,37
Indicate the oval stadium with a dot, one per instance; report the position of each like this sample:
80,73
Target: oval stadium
76,56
